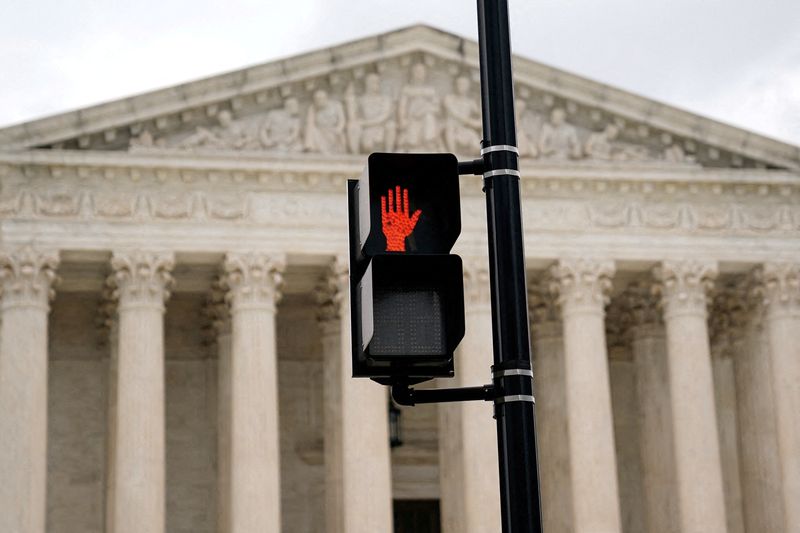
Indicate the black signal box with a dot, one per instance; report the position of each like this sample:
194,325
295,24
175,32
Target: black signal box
408,203
406,290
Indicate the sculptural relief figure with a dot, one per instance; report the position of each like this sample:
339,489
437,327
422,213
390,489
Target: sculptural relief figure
281,128
463,119
527,126
600,144
325,125
371,125
559,140
145,140
228,135
675,154
418,113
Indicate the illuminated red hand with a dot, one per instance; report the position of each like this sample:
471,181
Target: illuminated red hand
396,223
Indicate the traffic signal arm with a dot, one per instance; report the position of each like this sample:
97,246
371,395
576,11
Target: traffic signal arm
402,394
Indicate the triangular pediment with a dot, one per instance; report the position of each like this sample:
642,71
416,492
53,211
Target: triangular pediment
414,89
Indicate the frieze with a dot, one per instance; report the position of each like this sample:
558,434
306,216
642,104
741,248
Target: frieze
81,205
543,213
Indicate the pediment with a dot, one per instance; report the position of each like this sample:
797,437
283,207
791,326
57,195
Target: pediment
414,89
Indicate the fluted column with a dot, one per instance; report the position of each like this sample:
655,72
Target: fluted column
582,286
358,481
219,328
547,336
649,350
468,474
141,282
683,288
26,278
781,298
253,281
722,367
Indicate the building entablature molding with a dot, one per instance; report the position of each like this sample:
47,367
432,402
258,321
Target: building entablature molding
328,174
410,89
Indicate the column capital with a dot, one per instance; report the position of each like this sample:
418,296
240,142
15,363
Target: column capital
542,302
141,278
732,308
477,284
543,311
216,313
776,286
253,280
582,285
638,312
27,276
331,290
684,286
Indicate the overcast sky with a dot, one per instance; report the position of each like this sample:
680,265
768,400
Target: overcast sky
734,60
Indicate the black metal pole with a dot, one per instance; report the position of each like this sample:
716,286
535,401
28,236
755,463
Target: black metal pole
513,376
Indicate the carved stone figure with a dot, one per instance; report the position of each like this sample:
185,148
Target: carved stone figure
144,140
325,125
600,144
281,129
559,140
418,113
371,125
463,120
527,129
228,135
675,154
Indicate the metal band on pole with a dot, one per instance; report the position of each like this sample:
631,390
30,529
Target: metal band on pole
515,398
502,172
513,372
499,148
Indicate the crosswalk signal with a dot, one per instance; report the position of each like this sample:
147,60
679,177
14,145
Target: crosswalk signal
406,289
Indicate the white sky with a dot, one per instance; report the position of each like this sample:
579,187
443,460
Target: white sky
734,60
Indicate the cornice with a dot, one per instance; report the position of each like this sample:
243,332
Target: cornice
571,178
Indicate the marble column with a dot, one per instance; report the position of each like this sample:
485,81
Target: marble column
582,286
551,411
26,278
110,334
140,283
649,350
468,476
781,299
358,480
683,289
253,281
625,411
728,431
759,463
217,313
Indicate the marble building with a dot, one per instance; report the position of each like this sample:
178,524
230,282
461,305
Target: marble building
174,355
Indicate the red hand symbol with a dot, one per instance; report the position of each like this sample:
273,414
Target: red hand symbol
396,223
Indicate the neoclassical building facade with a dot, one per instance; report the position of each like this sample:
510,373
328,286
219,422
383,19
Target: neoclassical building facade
174,348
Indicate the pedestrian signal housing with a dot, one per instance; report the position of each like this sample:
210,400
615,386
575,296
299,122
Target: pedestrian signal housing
406,289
